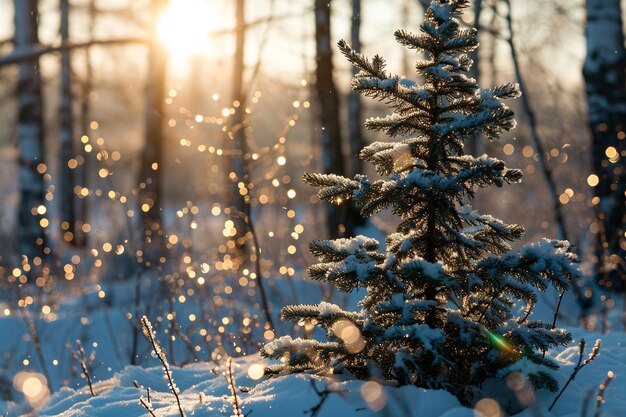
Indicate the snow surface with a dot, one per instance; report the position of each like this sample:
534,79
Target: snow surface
204,392
283,396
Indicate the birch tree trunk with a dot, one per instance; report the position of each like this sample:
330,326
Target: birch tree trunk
605,83
152,157
32,240
66,134
328,99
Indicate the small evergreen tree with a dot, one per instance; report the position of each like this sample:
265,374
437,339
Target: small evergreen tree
447,303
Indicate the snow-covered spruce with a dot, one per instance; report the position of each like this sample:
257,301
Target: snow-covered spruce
447,303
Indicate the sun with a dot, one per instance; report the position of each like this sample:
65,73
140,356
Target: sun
184,26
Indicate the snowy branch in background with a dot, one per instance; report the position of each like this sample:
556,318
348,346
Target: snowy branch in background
81,357
600,398
580,365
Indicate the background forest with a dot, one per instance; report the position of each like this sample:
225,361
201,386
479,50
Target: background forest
151,156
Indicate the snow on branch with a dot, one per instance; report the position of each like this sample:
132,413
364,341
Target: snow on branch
149,332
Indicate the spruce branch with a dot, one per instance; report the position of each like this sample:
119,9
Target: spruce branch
376,67
581,364
149,332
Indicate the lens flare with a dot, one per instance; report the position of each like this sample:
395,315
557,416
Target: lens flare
34,386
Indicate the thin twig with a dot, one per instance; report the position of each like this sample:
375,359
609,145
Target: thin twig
187,342
20,55
136,302
600,398
109,326
32,329
149,332
230,378
323,394
172,317
581,364
604,314
80,356
558,307
586,401
147,405
257,267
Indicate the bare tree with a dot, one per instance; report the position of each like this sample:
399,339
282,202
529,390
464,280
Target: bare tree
328,99
534,130
152,156
245,238
605,83
66,133
30,134
82,176
236,202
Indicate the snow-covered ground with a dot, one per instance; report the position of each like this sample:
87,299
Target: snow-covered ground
204,390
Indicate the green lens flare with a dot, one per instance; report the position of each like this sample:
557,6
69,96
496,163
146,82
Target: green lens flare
499,341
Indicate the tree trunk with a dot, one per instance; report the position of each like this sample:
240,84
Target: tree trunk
152,157
328,99
66,134
408,64
354,100
605,83
235,201
474,143
30,135
82,175
355,124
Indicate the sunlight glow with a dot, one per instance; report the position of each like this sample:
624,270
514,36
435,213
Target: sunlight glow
184,28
